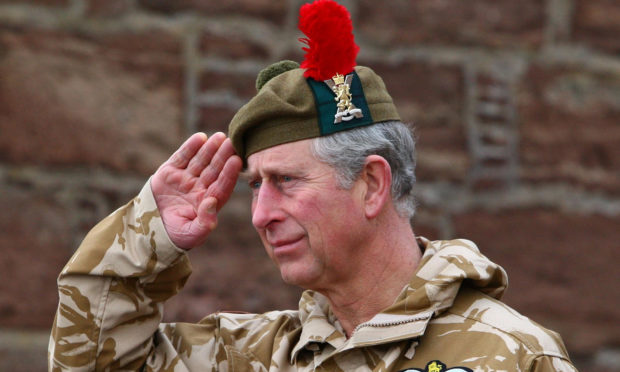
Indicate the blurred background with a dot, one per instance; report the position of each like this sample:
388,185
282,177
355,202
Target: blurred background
515,104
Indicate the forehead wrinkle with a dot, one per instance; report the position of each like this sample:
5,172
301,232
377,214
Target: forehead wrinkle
276,168
280,159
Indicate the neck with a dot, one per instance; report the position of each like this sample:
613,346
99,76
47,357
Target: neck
385,266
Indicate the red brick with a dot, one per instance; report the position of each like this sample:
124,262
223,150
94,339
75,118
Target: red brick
561,268
23,359
107,8
296,54
80,101
36,236
435,90
426,222
432,98
427,94
215,119
154,54
231,46
39,2
476,22
597,24
42,223
569,127
243,85
267,9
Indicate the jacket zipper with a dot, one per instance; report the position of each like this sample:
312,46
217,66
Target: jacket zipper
390,324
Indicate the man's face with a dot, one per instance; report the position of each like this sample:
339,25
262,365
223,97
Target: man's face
309,226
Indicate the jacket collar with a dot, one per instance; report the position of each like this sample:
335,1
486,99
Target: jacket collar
433,288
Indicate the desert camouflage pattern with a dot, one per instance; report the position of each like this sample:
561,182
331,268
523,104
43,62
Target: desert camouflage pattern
447,319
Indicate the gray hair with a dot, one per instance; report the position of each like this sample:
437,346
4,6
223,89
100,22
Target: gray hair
346,152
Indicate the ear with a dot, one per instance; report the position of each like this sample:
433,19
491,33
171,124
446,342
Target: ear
377,175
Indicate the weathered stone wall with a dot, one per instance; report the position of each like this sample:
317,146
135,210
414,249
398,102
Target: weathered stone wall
516,107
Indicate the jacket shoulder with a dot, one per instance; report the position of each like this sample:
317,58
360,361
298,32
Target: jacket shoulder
488,314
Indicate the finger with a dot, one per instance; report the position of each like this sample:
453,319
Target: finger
180,159
226,181
206,219
213,170
205,154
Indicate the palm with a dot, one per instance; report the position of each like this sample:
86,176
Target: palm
193,185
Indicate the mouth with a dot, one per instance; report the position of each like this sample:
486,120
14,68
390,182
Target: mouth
285,246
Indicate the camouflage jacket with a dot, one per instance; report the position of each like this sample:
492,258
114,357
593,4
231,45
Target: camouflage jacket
447,318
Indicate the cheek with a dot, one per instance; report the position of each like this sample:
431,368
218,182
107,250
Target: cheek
331,215
310,212
346,219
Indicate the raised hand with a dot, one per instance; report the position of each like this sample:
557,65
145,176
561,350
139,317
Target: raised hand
192,186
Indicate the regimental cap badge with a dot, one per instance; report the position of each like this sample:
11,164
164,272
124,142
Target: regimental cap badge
346,110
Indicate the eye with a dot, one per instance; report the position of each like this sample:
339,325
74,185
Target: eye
284,179
255,184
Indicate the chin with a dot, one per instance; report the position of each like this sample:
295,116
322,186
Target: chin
292,280
297,278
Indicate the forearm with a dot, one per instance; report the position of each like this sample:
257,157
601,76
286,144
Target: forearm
112,290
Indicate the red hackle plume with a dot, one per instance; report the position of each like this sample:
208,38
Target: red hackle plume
331,48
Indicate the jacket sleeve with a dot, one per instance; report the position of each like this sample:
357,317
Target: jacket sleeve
111,293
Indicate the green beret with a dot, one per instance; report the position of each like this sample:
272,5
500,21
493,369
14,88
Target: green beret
290,107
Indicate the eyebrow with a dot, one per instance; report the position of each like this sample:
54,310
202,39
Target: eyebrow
268,170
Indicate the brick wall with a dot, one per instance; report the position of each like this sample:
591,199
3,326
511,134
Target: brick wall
516,107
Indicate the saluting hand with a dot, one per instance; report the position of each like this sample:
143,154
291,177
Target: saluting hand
192,186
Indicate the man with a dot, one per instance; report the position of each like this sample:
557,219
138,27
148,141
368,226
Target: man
331,167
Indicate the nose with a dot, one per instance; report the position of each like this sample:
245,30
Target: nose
266,206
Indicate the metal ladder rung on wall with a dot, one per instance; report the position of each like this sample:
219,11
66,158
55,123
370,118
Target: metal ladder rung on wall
491,126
